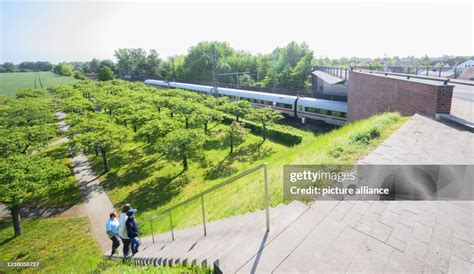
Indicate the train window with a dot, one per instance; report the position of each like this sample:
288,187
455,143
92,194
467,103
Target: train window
310,109
323,111
337,114
268,103
284,105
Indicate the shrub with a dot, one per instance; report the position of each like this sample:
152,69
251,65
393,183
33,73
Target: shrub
366,136
63,69
105,74
78,75
276,135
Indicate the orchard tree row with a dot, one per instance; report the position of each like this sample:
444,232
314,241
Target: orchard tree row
27,125
176,123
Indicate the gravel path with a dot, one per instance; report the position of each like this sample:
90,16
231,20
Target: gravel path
97,205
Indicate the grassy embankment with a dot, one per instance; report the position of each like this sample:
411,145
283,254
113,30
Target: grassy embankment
142,177
64,245
11,82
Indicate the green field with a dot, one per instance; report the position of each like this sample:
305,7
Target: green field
11,82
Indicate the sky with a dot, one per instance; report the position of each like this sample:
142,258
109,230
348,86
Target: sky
59,31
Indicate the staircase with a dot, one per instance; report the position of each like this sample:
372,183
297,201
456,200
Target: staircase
230,243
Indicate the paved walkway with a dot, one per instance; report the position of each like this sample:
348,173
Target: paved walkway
97,205
422,140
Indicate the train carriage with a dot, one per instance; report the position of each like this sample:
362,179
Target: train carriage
331,112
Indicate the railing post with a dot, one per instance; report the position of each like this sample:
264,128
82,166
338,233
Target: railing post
171,225
267,200
152,235
203,215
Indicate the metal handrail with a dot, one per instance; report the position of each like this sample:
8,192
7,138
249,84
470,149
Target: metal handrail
201,195
422,77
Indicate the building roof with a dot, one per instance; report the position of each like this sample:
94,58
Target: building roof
468,74
467,64
328,78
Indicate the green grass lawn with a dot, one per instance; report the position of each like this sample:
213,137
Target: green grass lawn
11,82
61,245
143,178
64,245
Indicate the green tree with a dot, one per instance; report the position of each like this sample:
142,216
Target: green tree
206,115
93,131
185,108
105,74
21,176
234,135
30,93
299,75
238,108
25,139
64,69
154,130
425,61
265,116
284,78
182,145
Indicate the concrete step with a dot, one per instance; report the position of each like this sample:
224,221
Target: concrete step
231,244
255,231
275,252
194,232
214,246
174,250
256,238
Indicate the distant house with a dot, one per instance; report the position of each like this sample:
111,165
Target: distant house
465,66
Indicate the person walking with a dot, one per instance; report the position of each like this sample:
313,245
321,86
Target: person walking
123,230
112,230
132,230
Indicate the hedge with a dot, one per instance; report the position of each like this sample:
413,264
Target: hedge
276,135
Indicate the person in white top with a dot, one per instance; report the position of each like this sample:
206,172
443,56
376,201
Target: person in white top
112,230
123,230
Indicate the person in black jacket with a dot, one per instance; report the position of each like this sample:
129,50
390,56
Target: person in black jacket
132,230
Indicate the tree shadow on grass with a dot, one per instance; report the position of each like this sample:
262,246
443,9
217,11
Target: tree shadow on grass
157,192
58,152
213,144
252,152
135,172
222,169
134,165
249,153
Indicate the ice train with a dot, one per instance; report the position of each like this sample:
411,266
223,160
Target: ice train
331,112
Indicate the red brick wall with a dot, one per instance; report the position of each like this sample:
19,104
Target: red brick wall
370,94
